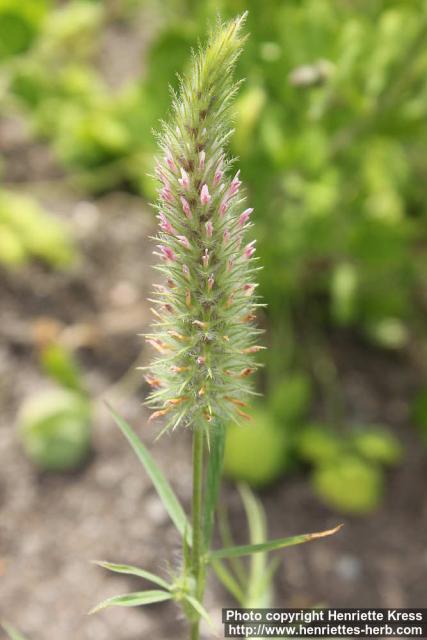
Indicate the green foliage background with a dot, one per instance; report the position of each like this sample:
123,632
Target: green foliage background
331,136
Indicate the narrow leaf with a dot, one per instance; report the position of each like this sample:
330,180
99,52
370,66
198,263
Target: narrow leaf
272,545
237,566
136,599
163,488
197,606
11,632
258,592
134,571
213,480
228,581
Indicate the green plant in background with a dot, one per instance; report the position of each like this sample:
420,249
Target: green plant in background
338,149
55,429
242,460
348,470
275,429
19,25
100,134
27,231
419,413
204,331
54,425
62,95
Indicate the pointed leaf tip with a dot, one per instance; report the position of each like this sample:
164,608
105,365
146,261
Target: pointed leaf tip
137,599
324,534
133,571
271,545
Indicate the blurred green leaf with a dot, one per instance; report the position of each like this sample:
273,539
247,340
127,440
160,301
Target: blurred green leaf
290,399
258,586
378,445
34,232
349,484
12,251
55,429
389,332
228,581
60,365
419,411
343,292
255,453
318,444
19,25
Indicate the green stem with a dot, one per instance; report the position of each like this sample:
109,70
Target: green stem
197,563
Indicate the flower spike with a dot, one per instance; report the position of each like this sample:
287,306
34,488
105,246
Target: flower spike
203,335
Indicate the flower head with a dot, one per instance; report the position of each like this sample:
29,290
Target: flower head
204,333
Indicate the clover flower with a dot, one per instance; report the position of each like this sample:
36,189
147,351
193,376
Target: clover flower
204,332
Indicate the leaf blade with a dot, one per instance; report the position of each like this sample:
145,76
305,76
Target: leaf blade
11,631
135,599
271,545
228,581
162,486
258,592
197,606
133,571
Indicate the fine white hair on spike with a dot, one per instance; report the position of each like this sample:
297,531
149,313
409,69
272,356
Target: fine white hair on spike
204,334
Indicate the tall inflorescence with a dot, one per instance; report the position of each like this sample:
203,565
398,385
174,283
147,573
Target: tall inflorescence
204,331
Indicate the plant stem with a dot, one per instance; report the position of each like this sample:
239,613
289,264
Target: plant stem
197,522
